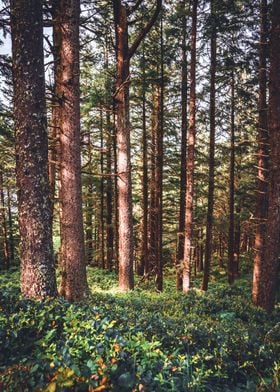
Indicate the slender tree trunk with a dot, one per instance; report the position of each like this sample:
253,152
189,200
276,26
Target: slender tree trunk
143,267
231,275
102,204
109,195
73,283
211,178
123,55
184,93
263,158
116,212
37,262
4,224
265,287
190,158
237,236
89,206
55,120
11,235
151,260
125,225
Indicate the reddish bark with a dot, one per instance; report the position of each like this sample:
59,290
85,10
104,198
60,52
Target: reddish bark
123,56
36,253
231,260
265,287
184,93
263,157
143,267
102,242
186,285
211,162
73,283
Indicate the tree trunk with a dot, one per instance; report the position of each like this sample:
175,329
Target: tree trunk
211,178
73,283
263,159
116,212
125,225
190,158
184,93
102,242
265,286
89,205
37,262
143,266
231,274
109,195
55,120
11,235
4,224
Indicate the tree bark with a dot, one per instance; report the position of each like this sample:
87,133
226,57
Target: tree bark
102,242
265,286
211,178
6,250
73,283
186,285
263,158
231,268
123,56
143,267
36,253
11,235
184,97
125,225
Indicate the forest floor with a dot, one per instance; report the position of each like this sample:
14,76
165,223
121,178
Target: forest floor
139,341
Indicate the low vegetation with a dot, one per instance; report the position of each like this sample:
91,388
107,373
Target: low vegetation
141,341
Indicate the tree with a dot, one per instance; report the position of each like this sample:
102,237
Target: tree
37,263
211,179
73,282
265,287
263,154
186,274
124,53
183,173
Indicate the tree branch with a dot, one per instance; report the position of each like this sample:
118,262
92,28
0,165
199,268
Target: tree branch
145,30
134,7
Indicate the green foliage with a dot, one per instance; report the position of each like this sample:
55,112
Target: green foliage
142,341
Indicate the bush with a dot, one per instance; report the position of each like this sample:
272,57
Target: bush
140,341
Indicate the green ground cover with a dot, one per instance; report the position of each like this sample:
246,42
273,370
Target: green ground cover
139,341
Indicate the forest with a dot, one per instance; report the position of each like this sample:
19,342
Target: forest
139,195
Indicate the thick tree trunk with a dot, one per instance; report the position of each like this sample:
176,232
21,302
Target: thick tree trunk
263,158
37,263
265,286
211,178
190,158
73,283
231,268
184,97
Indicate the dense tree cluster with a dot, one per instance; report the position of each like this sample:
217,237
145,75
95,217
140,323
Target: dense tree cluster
141,135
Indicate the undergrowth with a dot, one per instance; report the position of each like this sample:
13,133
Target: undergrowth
139,341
